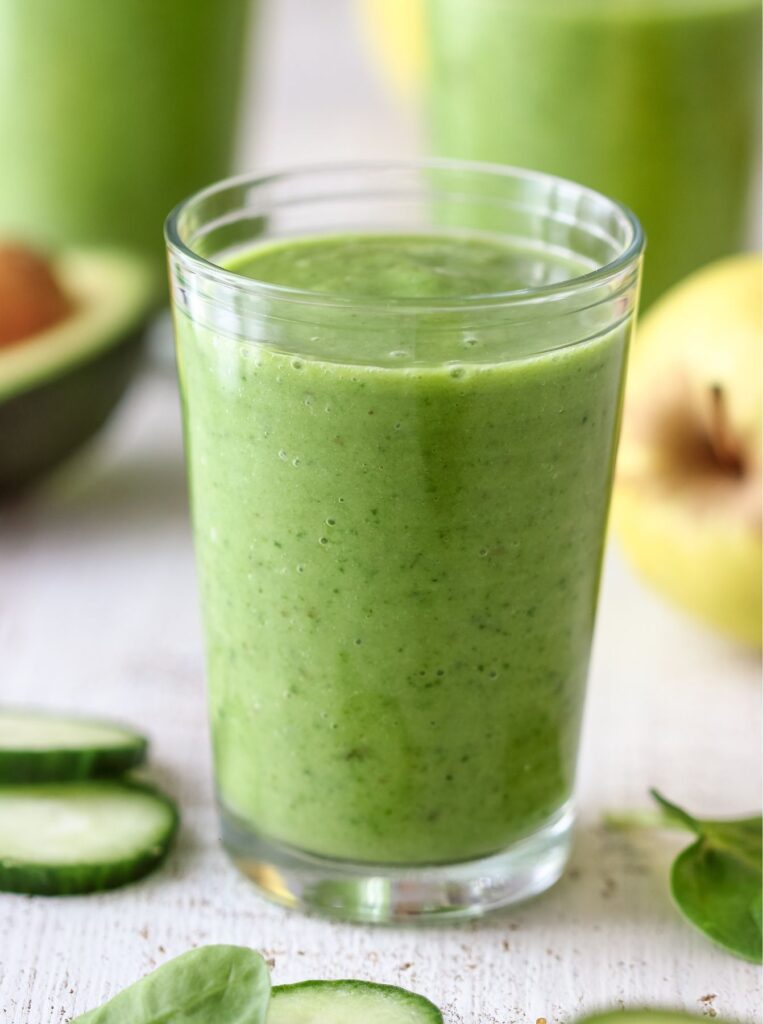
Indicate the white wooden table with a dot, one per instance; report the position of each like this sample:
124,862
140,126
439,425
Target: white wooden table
98,613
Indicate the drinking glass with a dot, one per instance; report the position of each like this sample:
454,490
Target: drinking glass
399,507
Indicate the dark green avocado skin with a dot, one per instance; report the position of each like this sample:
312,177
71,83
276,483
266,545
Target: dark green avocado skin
42,426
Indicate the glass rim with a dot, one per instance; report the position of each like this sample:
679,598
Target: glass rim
629,254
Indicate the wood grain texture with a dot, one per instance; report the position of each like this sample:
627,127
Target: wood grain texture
98,613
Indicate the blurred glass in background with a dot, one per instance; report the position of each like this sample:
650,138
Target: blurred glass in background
655,102
111,112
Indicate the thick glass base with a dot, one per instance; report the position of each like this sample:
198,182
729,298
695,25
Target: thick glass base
387,894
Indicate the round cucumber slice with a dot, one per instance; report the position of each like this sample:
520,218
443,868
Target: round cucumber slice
58,839
40,747
347,1002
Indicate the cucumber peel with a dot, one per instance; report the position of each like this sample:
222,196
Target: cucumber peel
649,1015
79,837
348,1002
40,747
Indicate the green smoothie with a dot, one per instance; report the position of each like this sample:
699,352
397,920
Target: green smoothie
113,111
399,551
653,102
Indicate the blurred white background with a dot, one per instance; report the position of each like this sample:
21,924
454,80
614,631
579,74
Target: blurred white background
314,92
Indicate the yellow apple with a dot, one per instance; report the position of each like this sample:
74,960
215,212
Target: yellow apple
687,506
395,29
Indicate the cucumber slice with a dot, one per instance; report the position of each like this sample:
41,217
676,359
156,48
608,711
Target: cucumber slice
348,1002
646,1016
58,839
39,747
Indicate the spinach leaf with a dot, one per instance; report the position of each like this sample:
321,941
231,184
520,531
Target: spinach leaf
224,984
717,882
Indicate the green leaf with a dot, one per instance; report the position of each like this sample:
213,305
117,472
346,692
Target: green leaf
224,984
675,815
717,882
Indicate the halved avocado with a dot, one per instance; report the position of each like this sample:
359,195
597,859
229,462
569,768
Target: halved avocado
60,385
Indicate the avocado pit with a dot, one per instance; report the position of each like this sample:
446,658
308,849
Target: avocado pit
31,298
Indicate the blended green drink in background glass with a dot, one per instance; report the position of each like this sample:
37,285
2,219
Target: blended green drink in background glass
654,102
112,111
400,435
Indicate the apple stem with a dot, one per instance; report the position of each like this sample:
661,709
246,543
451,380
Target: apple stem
724,446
